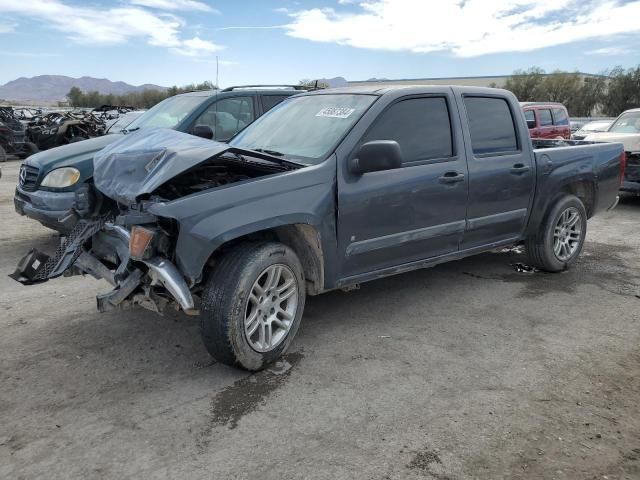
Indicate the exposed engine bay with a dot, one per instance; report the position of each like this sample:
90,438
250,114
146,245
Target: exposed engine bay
115,235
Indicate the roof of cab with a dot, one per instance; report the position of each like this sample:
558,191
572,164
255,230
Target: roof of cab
382,90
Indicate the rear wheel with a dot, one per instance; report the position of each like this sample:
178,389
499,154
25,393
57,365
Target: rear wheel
561,237
252,305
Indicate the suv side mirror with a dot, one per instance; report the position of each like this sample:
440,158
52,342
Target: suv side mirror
531,124
204,131
376,156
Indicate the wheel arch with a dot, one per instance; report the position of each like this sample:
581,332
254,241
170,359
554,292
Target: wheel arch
303,238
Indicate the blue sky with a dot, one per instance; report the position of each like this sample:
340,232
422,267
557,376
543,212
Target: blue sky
171,42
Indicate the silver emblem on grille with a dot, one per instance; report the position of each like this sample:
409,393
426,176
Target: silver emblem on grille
23,175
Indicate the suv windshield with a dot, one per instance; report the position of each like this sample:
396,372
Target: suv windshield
305,128
168,113
627,123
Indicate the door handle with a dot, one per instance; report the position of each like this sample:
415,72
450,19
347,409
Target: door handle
452,177
519,168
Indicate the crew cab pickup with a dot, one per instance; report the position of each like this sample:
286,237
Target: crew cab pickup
327,190
48,180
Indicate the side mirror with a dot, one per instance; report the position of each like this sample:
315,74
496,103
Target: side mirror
376,156
531,124
203,131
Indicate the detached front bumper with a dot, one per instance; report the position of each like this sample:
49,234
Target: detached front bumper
45,207
150,283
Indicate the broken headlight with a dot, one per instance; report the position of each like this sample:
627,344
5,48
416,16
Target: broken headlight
61,177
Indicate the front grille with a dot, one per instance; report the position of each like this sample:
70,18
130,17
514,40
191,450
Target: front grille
28,179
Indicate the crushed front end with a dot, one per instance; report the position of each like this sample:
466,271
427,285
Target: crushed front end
130,250
117,237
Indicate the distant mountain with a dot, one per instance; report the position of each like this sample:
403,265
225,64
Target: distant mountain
53,88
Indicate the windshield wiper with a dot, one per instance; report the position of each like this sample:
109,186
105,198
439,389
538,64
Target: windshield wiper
275,153
129,130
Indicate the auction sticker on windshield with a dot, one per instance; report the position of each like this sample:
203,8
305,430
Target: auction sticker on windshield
335,112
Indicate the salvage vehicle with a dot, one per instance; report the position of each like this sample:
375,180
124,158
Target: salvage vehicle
12,136
547,120
326,191
626,130
62,128
48,181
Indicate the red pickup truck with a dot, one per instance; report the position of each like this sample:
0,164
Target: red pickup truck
547,120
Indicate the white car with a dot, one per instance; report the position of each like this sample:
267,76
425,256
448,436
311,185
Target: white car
591,127
625,129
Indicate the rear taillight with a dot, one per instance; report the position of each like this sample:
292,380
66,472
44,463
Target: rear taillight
623,164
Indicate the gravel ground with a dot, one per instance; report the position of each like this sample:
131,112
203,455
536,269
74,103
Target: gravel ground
467,370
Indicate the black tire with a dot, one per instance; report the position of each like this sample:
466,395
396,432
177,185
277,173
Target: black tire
3,155
540,246
28,150
225,303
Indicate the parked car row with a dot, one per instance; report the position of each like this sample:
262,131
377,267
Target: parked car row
328,190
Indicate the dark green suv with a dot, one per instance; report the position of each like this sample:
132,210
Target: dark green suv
48,180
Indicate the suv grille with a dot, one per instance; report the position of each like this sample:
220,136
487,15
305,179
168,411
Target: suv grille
28,178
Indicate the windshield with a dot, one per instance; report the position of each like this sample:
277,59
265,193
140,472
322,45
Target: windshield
305,128
627,123
167,114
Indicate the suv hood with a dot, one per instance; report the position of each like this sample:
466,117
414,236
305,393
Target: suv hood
140,162
72,155
631,141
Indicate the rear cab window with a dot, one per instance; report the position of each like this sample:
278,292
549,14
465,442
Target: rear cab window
421,126
544,115
491,126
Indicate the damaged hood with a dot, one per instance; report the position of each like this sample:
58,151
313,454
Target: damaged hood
631,141
141,161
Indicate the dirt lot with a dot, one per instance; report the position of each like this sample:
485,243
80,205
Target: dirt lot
467,370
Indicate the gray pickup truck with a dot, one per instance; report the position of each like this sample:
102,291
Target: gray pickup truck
327,190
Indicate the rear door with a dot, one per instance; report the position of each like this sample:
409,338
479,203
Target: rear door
546,129
415,212
561,123
501,174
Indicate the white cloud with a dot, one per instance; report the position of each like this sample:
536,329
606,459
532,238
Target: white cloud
196,47
176,5
609,51
465,28
110,26
7,27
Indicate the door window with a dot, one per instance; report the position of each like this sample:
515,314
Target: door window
529,115
491,125
545,118
560,116
270,101
228,116
421,126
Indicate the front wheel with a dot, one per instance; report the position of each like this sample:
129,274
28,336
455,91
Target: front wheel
252,305
560,239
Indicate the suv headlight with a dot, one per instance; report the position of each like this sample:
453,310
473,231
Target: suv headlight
61,177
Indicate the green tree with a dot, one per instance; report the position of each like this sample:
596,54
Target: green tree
623,91
526,85
305,82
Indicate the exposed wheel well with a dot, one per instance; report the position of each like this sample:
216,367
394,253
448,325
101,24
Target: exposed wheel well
303,239
585,191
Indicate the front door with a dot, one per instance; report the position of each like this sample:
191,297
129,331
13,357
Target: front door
399,216
500,170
